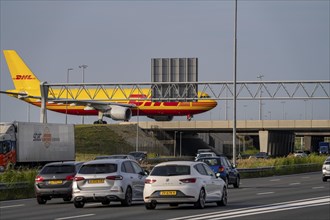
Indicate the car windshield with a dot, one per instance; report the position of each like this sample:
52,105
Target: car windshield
211,161
98,168
58,169
137,154
171,170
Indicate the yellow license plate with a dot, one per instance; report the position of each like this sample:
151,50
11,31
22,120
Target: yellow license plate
167,193
96,181
55,182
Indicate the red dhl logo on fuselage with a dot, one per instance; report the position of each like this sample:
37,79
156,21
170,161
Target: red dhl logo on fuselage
23,77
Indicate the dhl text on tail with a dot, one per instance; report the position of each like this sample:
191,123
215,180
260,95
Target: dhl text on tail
27,88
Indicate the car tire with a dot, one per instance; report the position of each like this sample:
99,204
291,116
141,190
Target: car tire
237,182
151,205
78,204
41,200
324,179
128,197
224,198
200,204
67,199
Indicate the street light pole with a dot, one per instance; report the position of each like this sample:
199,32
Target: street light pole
174,147
283,102
83,80
234,84
137,130
66,103
180,143
260,103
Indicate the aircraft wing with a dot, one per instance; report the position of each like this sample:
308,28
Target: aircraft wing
98,105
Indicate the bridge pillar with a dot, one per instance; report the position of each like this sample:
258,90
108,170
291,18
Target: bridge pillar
276,143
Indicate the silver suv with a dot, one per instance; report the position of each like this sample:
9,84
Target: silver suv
107,180
326,170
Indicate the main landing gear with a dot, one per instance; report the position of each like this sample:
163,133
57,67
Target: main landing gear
100,122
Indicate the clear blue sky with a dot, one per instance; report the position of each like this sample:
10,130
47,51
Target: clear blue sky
282,40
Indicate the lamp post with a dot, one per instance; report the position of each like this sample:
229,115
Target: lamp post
305,100
260,103
66,103
234,84
180,143
83,80
174,146
245,111
283,102
137,130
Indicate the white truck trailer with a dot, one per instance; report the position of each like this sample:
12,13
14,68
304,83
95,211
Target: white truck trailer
35,143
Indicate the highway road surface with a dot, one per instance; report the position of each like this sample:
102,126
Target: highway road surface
299,196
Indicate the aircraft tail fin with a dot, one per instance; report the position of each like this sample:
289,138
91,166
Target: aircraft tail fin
22,76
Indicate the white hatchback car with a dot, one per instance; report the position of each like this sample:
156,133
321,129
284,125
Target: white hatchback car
107,180
179,182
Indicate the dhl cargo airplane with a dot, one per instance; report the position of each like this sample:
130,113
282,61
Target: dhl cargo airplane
27,88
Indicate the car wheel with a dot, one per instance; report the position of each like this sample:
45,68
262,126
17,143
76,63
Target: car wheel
151,205
237,182
200,204
224,198
67,199
41,200
128,197
324,179
78,204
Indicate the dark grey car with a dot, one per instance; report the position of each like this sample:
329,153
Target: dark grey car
55,181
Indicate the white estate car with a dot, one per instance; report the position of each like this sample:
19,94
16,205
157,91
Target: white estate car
107,180
179,182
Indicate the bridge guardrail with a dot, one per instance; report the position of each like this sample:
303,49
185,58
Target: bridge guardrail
18,185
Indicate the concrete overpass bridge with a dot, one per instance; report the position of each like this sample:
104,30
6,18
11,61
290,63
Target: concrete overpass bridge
276,137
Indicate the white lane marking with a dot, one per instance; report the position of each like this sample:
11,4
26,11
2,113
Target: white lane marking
234,213
292,184
265,193
77,216
11,206
274,180
318,187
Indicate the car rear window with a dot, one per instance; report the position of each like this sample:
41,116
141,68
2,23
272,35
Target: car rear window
170,170
98,168
211,161
58,169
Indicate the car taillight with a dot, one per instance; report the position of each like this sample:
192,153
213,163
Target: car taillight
189,180
78,178
221,169
118,177
69,178
39,179
149,181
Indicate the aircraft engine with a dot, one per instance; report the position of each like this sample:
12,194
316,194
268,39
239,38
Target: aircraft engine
162,117
119,113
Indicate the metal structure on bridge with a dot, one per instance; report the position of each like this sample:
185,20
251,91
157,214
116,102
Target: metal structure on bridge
246,90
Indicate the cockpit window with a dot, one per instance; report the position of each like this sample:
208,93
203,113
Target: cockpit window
205,96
